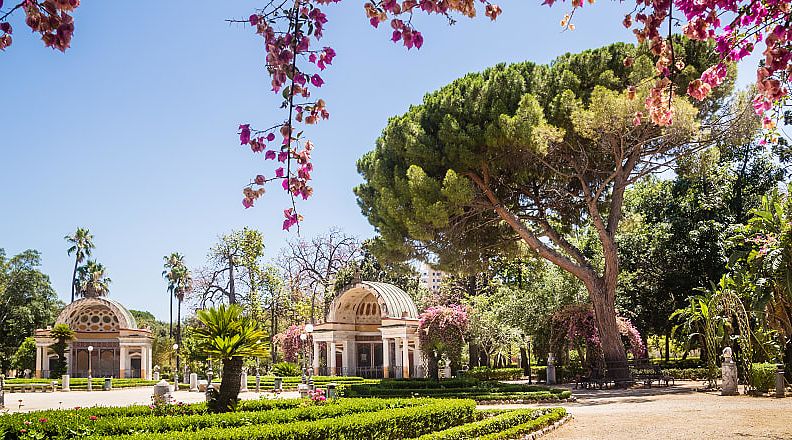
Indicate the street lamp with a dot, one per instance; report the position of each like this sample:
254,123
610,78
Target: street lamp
303,338
176,371
90,352
309,328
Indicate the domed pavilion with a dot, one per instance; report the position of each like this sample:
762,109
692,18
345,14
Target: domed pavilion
120,348
371,330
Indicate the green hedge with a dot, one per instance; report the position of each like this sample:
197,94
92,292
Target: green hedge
395,423
687,373
465,389
68,425
486,373
763,376
518,431
504,421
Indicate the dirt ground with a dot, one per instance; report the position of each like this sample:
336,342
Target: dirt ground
676,412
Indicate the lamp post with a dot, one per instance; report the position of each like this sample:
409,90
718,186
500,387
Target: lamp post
529,361
90,353
303,338
258,376
176,371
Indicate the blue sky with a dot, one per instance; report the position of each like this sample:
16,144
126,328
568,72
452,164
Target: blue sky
132,132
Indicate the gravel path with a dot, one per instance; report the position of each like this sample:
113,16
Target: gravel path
676,412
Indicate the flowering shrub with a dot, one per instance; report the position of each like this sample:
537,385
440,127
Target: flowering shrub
441,331
576,324
317,396
163,407
290,342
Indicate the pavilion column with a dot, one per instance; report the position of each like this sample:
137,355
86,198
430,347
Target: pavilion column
148,365
315,358
143,361
385,358
347,364
39,360
417,357
405,358
122,362
331,357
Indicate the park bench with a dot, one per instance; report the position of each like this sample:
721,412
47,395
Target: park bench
644,371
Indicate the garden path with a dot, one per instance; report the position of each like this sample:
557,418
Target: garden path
677,412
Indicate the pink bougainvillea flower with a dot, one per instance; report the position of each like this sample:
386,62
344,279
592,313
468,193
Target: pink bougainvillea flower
282,156
396,36
260,180
271,137
244,134
317,80
417,40
269,155
247,203
279,172
253,19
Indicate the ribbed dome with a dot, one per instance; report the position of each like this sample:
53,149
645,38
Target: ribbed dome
393,302
96,315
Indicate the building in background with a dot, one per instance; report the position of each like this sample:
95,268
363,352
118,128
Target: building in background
430,278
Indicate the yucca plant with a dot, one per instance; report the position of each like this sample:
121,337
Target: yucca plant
227,334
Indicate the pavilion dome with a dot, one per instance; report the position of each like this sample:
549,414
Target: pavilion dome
96,314
394,303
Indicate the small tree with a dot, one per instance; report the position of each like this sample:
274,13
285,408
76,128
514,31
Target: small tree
62,334
227,334
25,356
441,331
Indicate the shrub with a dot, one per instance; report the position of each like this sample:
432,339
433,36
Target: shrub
520,430
392,423
486,373
763,377
286,369
506,420
687,373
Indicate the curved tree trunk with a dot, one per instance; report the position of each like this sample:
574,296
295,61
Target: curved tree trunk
170,331
74,279
432,361
230,385
612,346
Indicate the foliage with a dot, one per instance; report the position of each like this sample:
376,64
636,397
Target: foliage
62,334
291,343
441,331
367,267
228,335
487,373
81,246
527,420
455,388
234,271
92,281
286,369
763,376
25,356
27,301
525,151
179,284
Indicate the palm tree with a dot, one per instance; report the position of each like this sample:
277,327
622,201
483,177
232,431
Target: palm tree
175,273
81,245
62,334
227,334
92,280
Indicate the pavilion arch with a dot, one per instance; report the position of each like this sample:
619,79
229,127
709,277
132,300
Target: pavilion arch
371,331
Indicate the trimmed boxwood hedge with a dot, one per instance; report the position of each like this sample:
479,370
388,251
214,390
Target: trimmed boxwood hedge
518,431
458,388
763,376
68,424
395,423
504,421
486,373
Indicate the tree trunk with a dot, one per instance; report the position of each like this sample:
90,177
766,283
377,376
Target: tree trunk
170,330
610,338
228,396
524,363
231,288
74,277
667,346
178,324
432,365
473,352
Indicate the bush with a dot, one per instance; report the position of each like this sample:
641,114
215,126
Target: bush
392,423
763,376
486,373
286,369
687,373
528,420
458,388
520,430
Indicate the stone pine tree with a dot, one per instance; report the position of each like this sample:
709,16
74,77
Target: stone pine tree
531,153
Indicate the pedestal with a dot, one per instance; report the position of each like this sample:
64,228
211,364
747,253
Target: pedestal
65,383
303,389
155,376
243,388
779,380
729,384
193,382
551,374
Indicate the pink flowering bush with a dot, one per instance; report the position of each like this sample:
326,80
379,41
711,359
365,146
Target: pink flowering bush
317,396
291,344
441,331
576,325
